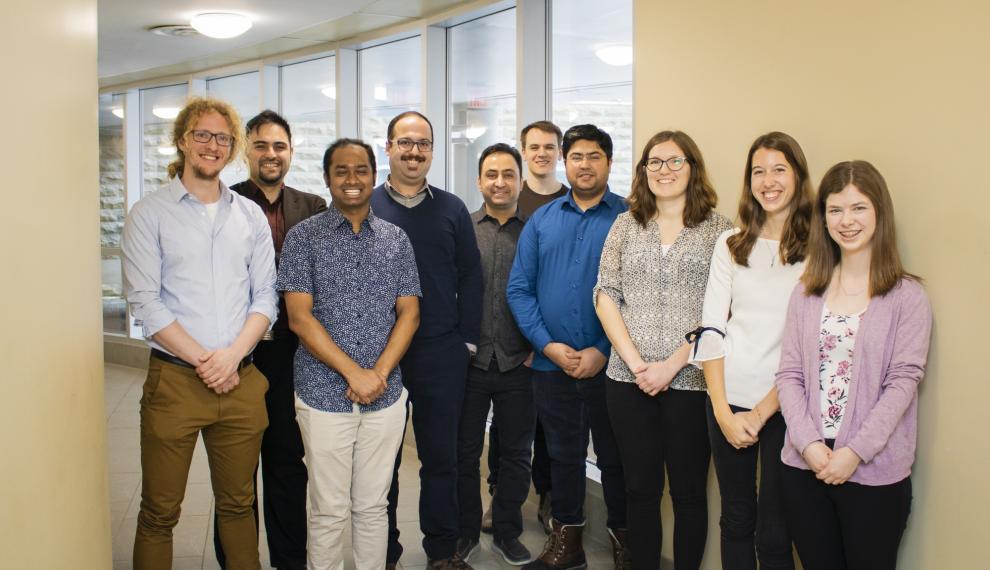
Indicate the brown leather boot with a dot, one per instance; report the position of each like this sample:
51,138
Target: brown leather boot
563,549
620,549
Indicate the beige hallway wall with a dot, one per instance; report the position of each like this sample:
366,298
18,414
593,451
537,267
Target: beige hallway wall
54,511
905,85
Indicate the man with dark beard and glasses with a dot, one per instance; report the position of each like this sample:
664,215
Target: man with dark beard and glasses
434,369
283,473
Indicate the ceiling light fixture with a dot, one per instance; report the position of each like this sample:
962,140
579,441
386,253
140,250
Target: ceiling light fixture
329,92
221,25
167,113
118,112
166,150
381,93
617,55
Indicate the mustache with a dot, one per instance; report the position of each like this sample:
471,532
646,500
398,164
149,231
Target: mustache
411,156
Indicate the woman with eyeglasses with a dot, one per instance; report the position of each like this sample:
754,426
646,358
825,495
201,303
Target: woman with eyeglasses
753,271
649,295
855,348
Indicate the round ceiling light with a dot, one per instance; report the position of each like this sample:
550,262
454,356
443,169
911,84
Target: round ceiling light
615,54
221,25
167,113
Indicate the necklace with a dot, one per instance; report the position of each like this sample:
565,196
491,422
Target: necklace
773,253
842,288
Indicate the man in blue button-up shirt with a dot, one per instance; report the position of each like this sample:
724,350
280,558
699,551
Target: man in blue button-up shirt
549,293
199,275
352,292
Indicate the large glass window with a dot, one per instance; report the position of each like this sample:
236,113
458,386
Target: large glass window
113,209
390,83
592,75
482,86
243,91
309,96
159,107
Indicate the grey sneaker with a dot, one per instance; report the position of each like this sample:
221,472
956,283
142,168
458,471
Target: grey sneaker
512,551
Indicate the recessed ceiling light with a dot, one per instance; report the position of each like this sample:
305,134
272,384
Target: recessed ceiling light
381,93
167,113
330,91
615,54
118,112
221,25
166,150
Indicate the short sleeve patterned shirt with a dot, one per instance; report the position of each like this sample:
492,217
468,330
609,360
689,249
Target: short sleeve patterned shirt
355,280
659,295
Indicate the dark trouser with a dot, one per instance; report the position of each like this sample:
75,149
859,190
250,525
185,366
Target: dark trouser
848,526
742,515
670,430
511,394
541,459
434,372
283,472
569,408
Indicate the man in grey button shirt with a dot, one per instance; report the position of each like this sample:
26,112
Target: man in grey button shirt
497,374
199,275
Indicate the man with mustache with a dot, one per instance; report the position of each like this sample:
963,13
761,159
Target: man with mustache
283,473
435,367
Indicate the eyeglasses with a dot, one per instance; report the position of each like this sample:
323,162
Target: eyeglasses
674,163
203,137
408,144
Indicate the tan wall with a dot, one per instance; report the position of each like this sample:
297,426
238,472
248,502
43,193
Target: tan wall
54,511
905,85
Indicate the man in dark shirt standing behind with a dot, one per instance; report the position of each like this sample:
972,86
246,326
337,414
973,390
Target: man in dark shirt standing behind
283,473
435,366
497,375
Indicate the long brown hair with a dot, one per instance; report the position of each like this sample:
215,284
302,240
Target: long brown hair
824,254
195,108
752,216
701,197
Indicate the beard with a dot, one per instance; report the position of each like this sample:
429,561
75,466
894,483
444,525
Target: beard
271,179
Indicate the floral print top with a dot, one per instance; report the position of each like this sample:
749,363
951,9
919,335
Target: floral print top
835,360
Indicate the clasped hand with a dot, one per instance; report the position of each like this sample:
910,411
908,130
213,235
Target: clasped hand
831,467
741,429
365,385
578,364
654,377
218,369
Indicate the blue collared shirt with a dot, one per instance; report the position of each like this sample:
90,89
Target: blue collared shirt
207,275
554,272
355,280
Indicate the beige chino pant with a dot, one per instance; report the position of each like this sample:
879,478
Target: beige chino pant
350,457
176,407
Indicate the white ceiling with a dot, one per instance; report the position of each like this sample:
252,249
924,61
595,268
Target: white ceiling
128,51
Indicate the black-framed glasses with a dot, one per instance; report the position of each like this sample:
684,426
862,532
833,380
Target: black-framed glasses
674,163
407,144
203,137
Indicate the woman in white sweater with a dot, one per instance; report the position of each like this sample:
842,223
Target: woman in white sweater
753,271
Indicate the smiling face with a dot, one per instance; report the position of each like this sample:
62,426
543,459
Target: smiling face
772,180
350,178
269,154
205,160
499,181
541,152
851,220
587,168
409,167
667,184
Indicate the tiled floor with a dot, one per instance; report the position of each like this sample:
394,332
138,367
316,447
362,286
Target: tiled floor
193,538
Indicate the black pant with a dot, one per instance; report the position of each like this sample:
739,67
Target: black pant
541,459
569,408
511,394
742,515
848,526
670,430
433,371
283,472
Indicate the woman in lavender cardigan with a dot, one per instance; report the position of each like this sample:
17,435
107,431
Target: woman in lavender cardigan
854,349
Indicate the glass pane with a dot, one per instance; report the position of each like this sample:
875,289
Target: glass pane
592,75
390,84
112,194
114,306
244,93
308,103
159,106
482,83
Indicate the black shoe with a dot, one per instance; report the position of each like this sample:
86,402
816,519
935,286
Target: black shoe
454,563
466,547
512,551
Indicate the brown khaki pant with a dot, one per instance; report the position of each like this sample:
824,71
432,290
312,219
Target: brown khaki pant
175,407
